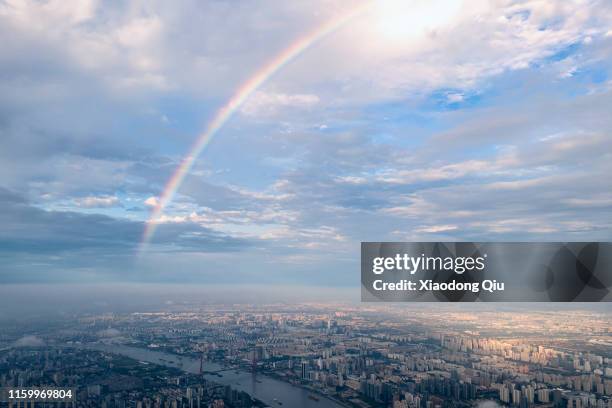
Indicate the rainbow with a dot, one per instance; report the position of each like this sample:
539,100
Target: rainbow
233,104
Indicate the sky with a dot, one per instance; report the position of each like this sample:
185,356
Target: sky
413,121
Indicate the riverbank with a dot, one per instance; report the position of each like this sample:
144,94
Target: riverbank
271,391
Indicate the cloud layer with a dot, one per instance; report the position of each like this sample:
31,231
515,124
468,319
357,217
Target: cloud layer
487,122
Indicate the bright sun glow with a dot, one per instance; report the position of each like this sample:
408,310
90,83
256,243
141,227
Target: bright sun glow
400,20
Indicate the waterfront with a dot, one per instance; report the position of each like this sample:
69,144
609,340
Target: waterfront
266,389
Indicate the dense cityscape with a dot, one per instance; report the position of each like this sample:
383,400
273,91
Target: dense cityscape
316,355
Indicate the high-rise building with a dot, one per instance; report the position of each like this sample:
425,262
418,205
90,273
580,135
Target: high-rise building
304,370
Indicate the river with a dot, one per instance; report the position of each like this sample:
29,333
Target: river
266,389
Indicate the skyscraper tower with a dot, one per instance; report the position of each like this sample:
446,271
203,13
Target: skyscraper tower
304,369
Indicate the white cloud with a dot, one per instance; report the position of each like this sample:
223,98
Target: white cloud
146,47
442,172
436,228
97,202
482,40
355,180
43,14
453,97
151,202
270,104
604,201
139,33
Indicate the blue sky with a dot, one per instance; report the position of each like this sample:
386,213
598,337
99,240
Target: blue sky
415,121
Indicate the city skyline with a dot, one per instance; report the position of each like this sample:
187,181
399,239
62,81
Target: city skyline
195,354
